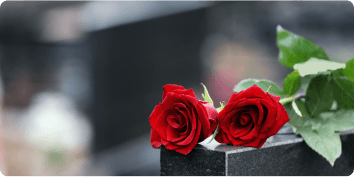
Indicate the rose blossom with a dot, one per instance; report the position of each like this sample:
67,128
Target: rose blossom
181,120
250,117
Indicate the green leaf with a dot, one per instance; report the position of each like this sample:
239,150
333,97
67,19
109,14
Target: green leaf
206,96
343,92
296,49
305,81
314,66
348,71
292,83
295,120
319,95
323,141
222,105
340,120
296,109
263,84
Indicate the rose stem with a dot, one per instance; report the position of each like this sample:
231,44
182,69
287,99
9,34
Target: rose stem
290,99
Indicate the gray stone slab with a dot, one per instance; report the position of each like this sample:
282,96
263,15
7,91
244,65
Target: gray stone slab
282,154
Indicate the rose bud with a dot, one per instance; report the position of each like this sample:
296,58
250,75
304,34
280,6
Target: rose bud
181,120
250,117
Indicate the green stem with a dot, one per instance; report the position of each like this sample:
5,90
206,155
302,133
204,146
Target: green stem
290,99
286,100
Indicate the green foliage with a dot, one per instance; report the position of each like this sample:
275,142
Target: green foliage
292,83
263,84
206,96
349,70
314,66
343,92
222,105
323,141
296,49
327,108
329,101
319,95
320,132
305,81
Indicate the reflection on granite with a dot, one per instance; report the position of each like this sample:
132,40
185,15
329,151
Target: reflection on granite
282,154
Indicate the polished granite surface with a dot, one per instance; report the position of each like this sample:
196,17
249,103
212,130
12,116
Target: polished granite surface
283,154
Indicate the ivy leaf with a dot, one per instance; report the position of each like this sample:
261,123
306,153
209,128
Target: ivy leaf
263,84
343,92
222,105
319,95
296,49
323,141
314,66
292,83
206,96
348,71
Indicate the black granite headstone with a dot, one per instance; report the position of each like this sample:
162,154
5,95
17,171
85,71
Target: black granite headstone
284,154
131,65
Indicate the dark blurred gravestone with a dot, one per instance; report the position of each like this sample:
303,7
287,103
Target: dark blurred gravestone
285,155
131,65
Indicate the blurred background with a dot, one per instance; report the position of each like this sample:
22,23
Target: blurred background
80,79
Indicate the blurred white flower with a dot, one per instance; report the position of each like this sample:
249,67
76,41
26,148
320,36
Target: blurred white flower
53,121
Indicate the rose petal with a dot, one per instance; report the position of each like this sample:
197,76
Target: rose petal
245,118
262,135
192,132
204,120
274,98
155,114
236,141
251,135
170,145
187,149
225,125
155,139
170,100
260,144
192,100
237,130
222,114
189,118
281,118
254,143
235,114
161,123
173,134
183,116
252,92
233,97
225,139
255,114
235,105
188,92
170,88
211,111
270,117
254,102
173,121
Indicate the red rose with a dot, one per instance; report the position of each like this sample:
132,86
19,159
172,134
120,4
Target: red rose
181,120
250,117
